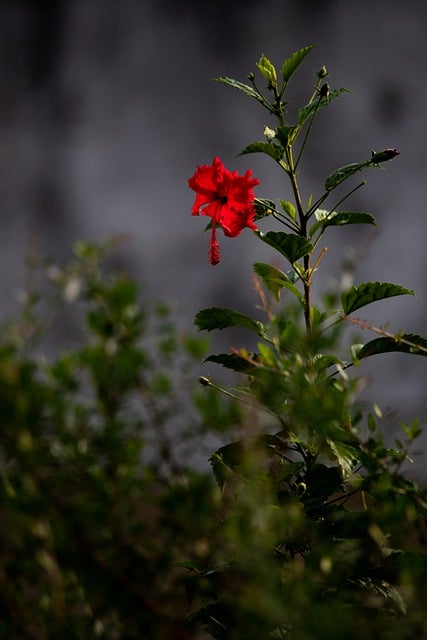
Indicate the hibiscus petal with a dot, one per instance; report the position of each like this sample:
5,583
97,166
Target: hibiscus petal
203,181
226,197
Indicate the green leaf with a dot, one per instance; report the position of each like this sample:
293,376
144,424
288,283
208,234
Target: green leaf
289,469
323,362
290,245
240,456
271,149
275,280
317,316
289,209
341,174
245,88
234,362
363,294
382,589
284,134
346,455
220,318
340,218
268,70
208,616
305,112
263,208
266,355
322,482
406,343
412,430
372,423
291,64
350,217
355,350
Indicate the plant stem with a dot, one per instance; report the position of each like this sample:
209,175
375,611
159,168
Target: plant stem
303,233
307,296
308,131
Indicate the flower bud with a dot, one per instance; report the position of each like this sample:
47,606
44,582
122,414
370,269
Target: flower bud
322,73
384,155
251,76
269,133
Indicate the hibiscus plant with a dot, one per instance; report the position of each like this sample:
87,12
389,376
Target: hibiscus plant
320,532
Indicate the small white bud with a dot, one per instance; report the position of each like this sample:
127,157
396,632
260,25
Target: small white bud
269,133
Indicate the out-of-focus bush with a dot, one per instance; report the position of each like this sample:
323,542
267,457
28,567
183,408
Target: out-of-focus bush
98,500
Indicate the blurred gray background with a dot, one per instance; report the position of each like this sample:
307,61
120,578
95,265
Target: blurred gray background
106,109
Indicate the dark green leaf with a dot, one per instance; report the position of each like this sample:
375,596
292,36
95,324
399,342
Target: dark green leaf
263,208
219,318
342,218
341,174
271,149
289,245
406,343
363,294
351,217
291,64
245,88
289,469
322,482
210,616
239,456
305,112
284,134
275,280
234,362
414,562
382,589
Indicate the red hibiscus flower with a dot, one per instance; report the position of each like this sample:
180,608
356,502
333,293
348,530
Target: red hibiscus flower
227,198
